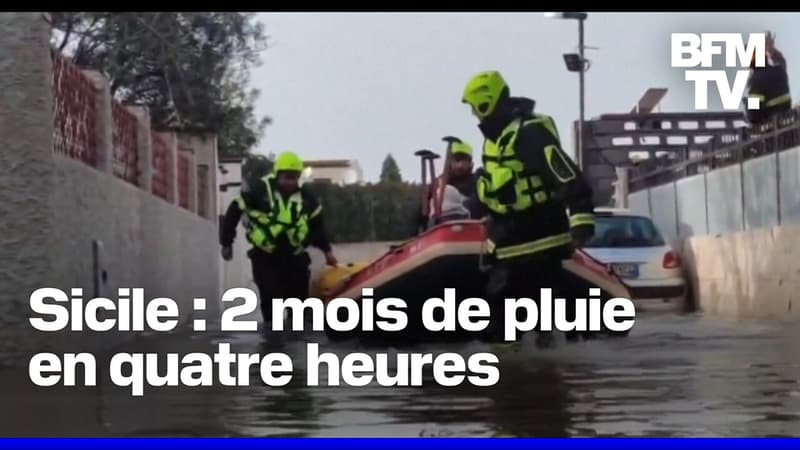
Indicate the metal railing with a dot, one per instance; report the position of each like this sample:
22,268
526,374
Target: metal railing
781,133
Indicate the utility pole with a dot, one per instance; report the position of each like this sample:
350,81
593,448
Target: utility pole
577,63
581,96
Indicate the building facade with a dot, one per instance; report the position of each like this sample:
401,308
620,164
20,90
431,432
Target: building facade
337,171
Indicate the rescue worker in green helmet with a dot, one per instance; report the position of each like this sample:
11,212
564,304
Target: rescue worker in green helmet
282,219
540,206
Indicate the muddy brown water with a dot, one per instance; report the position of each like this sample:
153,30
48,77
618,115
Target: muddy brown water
675,375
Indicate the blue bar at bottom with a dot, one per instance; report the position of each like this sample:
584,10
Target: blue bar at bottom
397,443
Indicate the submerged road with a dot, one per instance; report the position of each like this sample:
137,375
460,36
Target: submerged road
675,375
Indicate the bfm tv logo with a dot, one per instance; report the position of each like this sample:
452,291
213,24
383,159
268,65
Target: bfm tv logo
698,50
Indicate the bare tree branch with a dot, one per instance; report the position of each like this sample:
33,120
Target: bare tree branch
67,33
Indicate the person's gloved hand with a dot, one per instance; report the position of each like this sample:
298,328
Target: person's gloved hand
227,252
581,234
331,260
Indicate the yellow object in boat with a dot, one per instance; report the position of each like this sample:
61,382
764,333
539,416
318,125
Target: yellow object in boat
332,279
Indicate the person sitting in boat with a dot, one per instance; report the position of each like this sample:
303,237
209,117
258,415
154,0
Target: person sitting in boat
459,198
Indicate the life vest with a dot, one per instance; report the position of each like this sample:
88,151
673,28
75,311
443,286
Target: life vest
286,218
527,206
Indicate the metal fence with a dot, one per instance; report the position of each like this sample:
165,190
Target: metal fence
750,184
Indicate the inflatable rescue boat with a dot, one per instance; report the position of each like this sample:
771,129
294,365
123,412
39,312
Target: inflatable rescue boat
446,256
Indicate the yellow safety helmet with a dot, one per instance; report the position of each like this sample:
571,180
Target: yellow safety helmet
483,92
461,148
288,161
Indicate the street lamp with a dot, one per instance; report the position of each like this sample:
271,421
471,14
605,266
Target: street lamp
576,63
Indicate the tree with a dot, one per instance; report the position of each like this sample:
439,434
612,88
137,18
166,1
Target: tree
390,172
359,213
190,69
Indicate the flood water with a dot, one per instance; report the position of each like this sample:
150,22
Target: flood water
675,375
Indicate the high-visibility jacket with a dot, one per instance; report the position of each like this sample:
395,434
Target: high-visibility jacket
276,222
528,186
285,218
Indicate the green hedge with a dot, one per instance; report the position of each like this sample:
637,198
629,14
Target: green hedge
371,212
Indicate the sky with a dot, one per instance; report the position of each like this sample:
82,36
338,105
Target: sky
363,85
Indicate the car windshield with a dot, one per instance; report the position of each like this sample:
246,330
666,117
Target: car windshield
625,231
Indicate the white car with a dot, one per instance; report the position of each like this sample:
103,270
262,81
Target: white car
636,251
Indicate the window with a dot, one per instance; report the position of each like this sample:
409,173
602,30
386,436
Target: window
625,231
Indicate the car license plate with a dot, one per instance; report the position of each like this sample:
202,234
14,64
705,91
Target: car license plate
626,270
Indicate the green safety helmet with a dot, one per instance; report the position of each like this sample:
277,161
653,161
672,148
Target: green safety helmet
288,161
484,91
461,148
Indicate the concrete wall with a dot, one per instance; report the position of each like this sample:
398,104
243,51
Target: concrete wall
26,159
52,208
738,228
146,241
236,272
761,192
205,154
747,274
